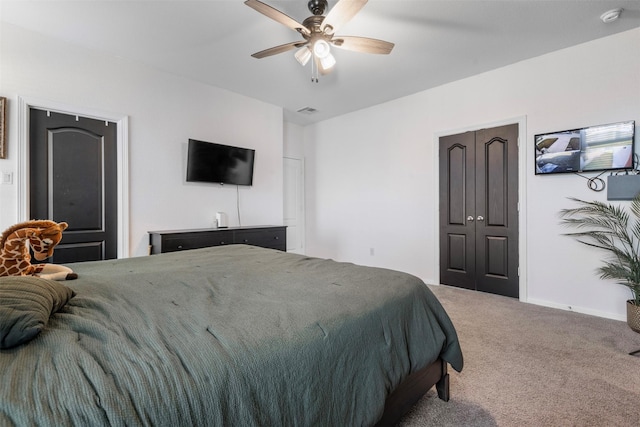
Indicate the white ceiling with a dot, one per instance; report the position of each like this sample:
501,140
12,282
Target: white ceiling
436,41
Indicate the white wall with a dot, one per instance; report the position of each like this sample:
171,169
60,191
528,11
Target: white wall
371,174
164,111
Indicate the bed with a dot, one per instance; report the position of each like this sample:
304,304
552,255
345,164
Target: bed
232,335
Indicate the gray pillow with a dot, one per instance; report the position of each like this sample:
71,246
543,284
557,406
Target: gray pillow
26,303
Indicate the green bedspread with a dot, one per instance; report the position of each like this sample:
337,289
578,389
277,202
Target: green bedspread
226,336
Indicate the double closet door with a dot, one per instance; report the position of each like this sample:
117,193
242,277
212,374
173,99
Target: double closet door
479,210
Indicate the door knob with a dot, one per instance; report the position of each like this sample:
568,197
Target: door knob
480,218
470,218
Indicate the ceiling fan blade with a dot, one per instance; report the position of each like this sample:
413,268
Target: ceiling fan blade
279,49
276,15
340,14
363,44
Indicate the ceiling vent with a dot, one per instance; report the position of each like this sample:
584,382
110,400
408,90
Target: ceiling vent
307,110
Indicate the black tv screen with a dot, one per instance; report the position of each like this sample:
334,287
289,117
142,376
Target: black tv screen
594,148
222,164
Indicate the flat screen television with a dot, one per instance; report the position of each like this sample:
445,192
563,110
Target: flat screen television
594,148
222,164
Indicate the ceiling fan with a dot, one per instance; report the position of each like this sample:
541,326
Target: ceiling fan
318,33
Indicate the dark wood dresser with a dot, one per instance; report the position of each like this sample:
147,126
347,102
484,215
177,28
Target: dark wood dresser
268,236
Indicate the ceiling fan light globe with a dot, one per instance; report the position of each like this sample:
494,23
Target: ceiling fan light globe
321,49
328,61
303,55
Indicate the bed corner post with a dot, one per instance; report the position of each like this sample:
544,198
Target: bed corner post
442,386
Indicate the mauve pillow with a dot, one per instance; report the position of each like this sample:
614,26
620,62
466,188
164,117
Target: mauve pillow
26,303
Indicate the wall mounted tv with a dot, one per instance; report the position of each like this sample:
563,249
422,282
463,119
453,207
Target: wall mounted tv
594,148
222,164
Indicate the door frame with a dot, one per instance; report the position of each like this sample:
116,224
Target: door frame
521,121
122,142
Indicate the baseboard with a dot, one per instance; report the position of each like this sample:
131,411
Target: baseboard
583,310
606,315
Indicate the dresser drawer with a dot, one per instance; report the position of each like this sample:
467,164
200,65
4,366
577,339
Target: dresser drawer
179,242
267,238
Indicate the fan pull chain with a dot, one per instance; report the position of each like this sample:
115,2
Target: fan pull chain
314,71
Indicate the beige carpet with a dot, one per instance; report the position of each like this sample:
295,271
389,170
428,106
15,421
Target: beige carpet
527,365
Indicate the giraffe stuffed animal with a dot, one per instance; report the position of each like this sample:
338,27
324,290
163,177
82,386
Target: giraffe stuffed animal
42,236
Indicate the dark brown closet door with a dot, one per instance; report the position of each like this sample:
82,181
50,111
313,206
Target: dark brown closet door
73,178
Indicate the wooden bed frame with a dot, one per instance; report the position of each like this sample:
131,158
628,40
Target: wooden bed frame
412,389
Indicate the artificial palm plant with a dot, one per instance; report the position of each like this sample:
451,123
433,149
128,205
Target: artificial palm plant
609,227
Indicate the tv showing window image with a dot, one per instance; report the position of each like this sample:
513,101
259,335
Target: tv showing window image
595,148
